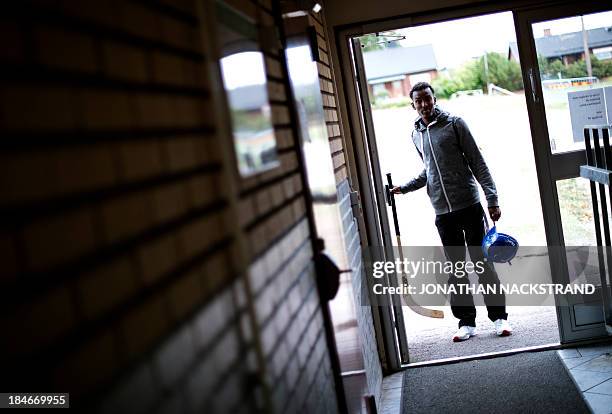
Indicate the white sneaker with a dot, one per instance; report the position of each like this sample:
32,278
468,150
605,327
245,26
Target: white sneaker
502,327
464,333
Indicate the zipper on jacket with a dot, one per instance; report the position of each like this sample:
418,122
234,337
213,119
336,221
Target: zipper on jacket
433,154
422,144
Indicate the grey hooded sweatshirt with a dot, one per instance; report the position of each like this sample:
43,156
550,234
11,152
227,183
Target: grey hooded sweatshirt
452,161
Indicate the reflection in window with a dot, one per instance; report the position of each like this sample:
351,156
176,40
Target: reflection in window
244,80
304,79
314,140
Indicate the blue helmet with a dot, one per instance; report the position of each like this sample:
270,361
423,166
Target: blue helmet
499,247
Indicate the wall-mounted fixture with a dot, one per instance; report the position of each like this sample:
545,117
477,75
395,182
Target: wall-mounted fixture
295,8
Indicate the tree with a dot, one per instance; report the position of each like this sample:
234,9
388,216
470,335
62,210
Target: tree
601,68
501,72
372,41
550,69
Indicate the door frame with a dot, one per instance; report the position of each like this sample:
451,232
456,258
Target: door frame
360,167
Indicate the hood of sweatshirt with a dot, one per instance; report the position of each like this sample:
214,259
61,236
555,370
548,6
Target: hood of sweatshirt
439,115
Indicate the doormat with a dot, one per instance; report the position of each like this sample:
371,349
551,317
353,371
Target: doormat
534,382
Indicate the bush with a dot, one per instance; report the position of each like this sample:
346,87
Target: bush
381,95
378,97
392,103
601,68
551,70
575,70
446,86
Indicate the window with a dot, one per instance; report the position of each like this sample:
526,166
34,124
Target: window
378,88
397,87
244,79
603,53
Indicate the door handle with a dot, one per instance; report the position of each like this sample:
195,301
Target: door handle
328,275
534,96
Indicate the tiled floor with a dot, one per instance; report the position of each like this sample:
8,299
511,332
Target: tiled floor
392,394
589,366
591,369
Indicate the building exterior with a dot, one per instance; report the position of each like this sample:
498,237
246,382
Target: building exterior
568,47
395,70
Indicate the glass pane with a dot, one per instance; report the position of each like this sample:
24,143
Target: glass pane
578,230
244,79
576,212
564,68
304,79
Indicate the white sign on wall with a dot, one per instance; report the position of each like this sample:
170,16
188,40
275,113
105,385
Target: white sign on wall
588,107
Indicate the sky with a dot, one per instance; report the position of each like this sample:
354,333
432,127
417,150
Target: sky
458,41
243,69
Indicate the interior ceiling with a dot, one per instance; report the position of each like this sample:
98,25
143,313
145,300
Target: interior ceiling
342,12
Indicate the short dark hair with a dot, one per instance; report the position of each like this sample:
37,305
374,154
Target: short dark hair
421,86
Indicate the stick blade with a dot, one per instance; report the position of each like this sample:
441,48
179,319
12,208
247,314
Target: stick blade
430,313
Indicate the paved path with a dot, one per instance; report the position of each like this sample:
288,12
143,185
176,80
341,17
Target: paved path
430,339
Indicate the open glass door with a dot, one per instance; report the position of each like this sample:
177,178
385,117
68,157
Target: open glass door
386,251
551,48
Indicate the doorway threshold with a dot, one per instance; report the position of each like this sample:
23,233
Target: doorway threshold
486,355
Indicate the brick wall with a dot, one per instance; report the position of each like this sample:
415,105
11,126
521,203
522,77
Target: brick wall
363,312
328,90
122,248
288,314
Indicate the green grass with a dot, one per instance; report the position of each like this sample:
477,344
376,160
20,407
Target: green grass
391,103
576,211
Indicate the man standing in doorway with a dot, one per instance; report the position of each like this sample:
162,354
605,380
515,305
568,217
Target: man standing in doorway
453,163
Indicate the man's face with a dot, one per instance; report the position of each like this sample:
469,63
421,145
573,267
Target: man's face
424,102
